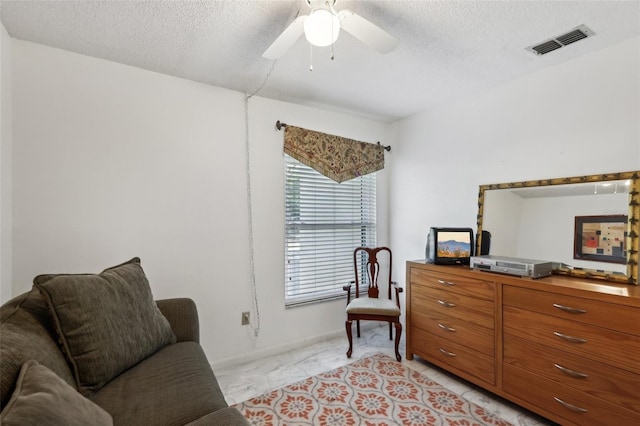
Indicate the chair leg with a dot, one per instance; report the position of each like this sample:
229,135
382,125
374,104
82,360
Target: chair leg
398,334
390,332
358,327
348,325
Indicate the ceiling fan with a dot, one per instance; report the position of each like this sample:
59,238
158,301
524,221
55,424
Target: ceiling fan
322,27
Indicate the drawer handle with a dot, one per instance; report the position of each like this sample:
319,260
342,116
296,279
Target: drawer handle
571,407
446,328
571,373
569,309
447,353
447,283
570,338
446,304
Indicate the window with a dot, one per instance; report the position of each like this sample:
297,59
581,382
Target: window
324,222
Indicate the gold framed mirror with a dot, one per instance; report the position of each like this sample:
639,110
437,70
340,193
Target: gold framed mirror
536,220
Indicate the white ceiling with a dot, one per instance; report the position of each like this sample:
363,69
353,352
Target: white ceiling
447,50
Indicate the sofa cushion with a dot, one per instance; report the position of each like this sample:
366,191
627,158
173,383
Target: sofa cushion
174,386
182,314
26,333
224,416
106,322
42,398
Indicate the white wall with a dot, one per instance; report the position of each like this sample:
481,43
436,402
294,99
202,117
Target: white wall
112,162
580,117
6,144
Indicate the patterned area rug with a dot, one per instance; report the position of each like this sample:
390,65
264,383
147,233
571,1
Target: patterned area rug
373,391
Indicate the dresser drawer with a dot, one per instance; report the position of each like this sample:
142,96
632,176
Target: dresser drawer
453,283
594,378
453,355
595,343
564,401
465,333
617,317
479,311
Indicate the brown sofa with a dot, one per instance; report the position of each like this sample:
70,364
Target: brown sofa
170,383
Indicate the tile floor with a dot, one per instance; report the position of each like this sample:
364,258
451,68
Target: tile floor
241,382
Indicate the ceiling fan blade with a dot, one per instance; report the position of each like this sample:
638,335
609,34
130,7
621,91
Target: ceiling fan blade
285,40
368,33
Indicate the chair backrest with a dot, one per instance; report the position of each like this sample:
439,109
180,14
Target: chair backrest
367,271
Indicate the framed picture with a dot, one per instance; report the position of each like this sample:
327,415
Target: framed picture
601,238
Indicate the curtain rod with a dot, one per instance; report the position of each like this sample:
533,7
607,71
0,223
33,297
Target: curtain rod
280,125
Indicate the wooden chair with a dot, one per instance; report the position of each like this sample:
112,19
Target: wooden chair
372,308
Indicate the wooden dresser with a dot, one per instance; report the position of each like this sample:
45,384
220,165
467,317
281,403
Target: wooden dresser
566,348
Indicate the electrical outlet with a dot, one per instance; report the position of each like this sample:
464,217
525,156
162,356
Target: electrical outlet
245,318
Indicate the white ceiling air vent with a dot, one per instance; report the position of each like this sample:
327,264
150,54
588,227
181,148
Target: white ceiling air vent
578,33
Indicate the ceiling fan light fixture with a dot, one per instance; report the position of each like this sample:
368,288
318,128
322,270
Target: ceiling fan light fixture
321,28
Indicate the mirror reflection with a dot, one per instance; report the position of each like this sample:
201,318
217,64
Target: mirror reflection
588,226
538,222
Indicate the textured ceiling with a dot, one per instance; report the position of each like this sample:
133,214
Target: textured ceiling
447,50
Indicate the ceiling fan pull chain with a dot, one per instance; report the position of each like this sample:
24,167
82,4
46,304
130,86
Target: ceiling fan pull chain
310,57
334,12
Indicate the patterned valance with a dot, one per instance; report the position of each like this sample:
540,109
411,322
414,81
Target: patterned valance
335,157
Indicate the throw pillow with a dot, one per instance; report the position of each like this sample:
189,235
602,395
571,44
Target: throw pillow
106,322
43,398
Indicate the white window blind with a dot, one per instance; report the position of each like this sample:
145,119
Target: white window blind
324,222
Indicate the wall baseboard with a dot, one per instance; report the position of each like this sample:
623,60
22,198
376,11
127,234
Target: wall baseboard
279,349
